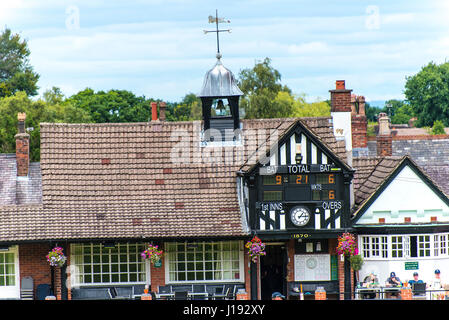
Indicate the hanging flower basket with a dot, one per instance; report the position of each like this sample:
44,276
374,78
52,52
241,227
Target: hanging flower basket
256,248
56,257
347,245
153,253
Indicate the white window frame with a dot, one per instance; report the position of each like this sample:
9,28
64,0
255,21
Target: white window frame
12,291
77,264
398,248
171,258
440,245
428,246
375,247
424,243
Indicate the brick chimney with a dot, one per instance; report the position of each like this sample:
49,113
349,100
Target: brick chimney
359,122
340,97
341,115
162,107
22,147
154,111
384,136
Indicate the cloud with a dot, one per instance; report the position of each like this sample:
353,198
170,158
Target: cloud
159,47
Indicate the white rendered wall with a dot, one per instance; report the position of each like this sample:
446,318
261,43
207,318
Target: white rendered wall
406,196
427,266
342,127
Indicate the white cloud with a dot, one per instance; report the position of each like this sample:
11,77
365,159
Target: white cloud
160,54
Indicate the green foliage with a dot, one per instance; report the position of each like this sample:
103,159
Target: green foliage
356,262
187,110
428,94
15,72
51,110
399,111
371,112
112,106
315,109
438,127
264,95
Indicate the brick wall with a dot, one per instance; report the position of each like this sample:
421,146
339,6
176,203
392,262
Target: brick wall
157,277
359,127
22,153
384,145
341,100
33,263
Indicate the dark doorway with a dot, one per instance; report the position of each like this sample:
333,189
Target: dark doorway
273,271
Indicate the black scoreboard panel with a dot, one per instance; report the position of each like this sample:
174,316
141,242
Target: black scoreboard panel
300,187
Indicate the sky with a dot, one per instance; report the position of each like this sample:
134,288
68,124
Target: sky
158,49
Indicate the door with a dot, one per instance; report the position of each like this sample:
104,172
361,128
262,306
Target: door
9,274
273,270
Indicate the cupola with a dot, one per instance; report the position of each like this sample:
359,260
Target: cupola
220,99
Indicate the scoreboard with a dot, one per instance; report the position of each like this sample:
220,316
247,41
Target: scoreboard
294,183
309,195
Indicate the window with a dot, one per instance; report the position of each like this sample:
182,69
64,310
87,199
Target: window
375,247
204,261
365,247
7,269
397,247
97,265
424,246
440,245
404,246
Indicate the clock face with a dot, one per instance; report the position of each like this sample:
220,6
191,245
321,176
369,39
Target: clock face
299,216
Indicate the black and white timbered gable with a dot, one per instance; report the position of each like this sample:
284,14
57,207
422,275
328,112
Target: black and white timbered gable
299,189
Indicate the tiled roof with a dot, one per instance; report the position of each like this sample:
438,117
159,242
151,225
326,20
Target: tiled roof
22,190
124,181
370,173
432,155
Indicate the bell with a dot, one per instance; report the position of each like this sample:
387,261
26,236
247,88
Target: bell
220,106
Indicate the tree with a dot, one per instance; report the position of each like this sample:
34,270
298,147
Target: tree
427,92
371,112
187,110
16,74
399,111
112,106
52,110
438,127
261,87
314,109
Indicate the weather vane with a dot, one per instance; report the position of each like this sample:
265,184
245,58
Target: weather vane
217,20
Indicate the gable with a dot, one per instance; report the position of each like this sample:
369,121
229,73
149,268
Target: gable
408,194
298,139
299,174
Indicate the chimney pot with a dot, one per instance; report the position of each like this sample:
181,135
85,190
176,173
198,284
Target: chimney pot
384,124
153,111
340,85
384,137
21,116
162,107
361,100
